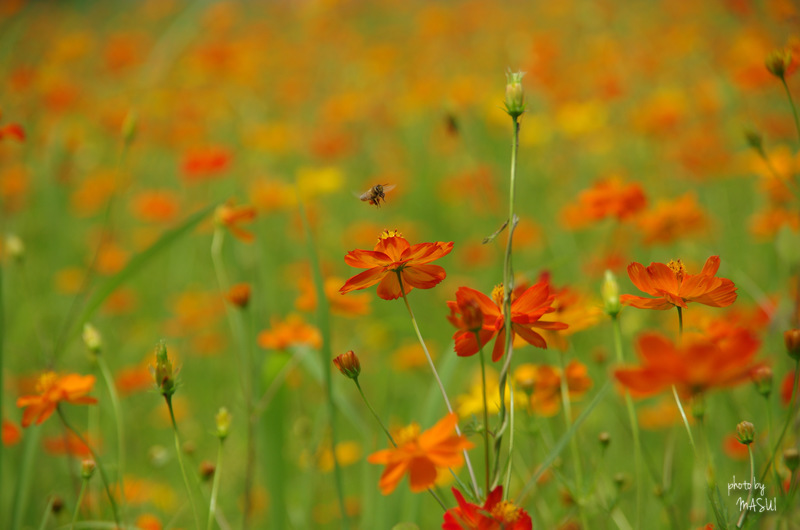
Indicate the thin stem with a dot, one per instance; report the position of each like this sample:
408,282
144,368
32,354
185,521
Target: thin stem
438,380
389,435
97,460
791,102
212,505
680,321
685,419
485,411
789,415
84,483
115,406
752,486
47,511
637,447
573,442
180,461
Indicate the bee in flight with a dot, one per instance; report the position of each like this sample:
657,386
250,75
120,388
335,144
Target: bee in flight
376,193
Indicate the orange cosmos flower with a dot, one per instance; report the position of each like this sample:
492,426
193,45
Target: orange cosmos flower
526,310
495,514
231,217
674,287
694,367
291,332
71,388
546,383
202,164
606,198
671,219
420,454
394,258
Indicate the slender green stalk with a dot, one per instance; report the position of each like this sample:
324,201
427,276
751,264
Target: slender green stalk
84,483
485,410
389,435
508,288
22,487
438,381
680,322
637,444
100,467
791,102
742,516
573,443
212,505
178,451
789,415
47,511
323,322
115,406
685,419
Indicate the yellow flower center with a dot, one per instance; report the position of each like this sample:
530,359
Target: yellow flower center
678,268
386,234
46,381
407,434
497,295
505,512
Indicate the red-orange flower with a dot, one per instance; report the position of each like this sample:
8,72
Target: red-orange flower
694,367
674,287
606,198
526,310
420,454
231,217
394,258
495,514
71,388
205,163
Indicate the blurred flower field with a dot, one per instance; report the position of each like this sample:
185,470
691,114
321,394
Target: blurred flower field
399,265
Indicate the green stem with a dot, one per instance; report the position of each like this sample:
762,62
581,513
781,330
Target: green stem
115,406
180,461
438,380
485,411
212,505
637,447
573,442
789,415
389,435
47,511
84,482
752,486
97,460
680,321
323,321
791,102
508,288
685,419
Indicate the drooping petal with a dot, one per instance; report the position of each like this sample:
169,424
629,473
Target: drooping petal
389,288
366,259
365,279
530,336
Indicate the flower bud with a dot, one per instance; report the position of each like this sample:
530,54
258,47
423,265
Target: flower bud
791,458
610,293
87,469
348,364
207,470
57,504
604,438
745,432
778,62
223,418
164,372
762,379
515,95
92,339
15,247
239,295
792,340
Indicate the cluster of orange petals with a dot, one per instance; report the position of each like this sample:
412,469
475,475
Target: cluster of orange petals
606,198
421,454
693,367
201,164
231,217
293,331
53,390
544,383
526,312
674,287
393,259
10,434
495,514
671,219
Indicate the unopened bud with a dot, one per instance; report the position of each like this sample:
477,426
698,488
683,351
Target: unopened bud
87,469
223,418
791,458
239,295
92,339
164,372
610,293
778,62
762,379
57,504
745,432
348,364
207,470
15,247
604,438
792,340
515,95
